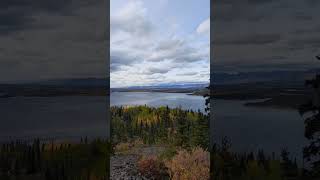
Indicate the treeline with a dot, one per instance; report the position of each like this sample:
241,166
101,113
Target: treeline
55,161
185,128
227,165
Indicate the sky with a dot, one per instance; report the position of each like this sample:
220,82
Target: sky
156,42
265,35
45,39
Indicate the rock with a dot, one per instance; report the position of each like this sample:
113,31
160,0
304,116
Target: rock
123,167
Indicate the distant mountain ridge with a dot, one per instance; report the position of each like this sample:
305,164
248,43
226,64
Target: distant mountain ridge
172,85
164,87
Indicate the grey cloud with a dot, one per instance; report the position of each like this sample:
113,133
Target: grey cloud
262,2
52,39
17,15
244,2
157,70
189,74
137,46
247,39
177,51
137,26
312,2
258,34
231,11
132,20
306,30
172,44
302,16
119,58
260,10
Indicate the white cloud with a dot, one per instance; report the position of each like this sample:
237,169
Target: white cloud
142,53
204,27
131,19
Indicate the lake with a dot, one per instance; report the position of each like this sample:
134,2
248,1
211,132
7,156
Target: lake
252,128
157,99
67,117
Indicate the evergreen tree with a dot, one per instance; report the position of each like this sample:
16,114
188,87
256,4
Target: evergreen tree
312,125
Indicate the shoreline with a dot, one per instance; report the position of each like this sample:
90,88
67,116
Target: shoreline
279,98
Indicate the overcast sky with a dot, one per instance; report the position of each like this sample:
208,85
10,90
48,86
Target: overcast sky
163,41
154,42
45,39
265,35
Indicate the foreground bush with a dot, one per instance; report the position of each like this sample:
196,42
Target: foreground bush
168,153
151,167
191,165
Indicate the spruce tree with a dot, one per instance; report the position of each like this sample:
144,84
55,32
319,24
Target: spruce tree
311,152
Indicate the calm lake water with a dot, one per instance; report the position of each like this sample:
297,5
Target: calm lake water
53,117
253,128
158,99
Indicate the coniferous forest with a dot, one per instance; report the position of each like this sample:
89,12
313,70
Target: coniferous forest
53,160
184,128
166,143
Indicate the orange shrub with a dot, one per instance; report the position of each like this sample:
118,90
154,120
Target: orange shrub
192,165
151,167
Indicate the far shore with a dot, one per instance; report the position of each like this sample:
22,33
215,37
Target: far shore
279,95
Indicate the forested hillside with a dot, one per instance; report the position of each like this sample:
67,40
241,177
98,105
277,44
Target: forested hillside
184,128
53,160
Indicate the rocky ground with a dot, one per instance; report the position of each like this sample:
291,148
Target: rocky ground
124,166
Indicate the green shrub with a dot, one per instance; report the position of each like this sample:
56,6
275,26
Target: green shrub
168,153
